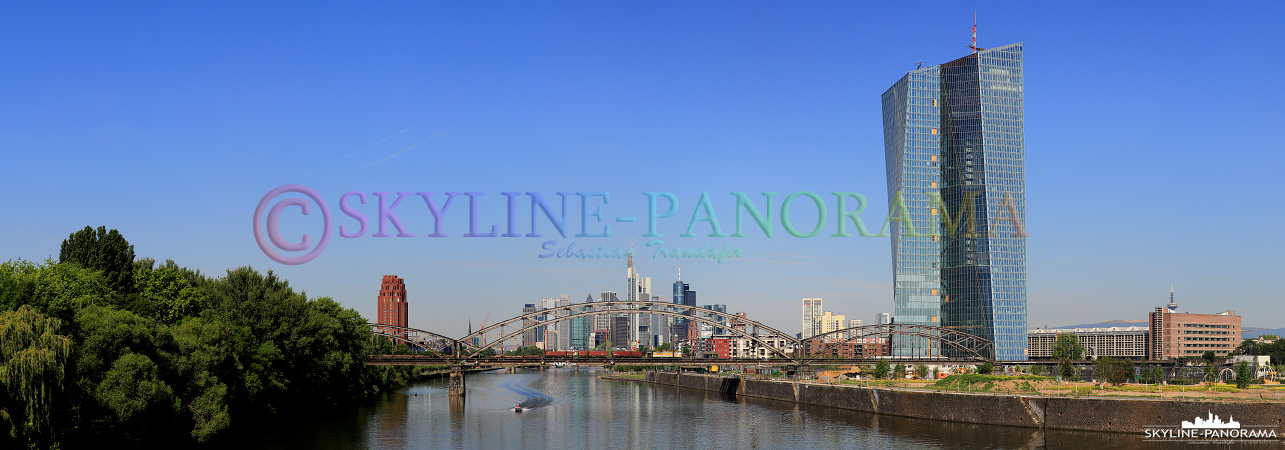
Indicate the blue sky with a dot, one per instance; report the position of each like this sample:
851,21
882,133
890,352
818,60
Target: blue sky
1151,134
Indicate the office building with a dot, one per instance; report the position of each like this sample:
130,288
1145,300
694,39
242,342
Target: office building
830,322
852,323
602,322
1123,342
620,331
529,337
953,143
581,332
1175,334
883,318
639,289
392,305
811,312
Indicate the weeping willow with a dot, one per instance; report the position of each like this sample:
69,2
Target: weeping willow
33,357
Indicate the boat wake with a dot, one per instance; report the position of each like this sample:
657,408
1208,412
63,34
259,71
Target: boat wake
527,397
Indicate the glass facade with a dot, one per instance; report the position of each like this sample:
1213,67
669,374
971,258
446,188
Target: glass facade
953,142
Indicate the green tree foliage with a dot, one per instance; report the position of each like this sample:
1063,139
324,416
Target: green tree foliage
1066,370
57,290
1260,346
526,351
1211,374
1243,375
1209,357
687,350
1067,347
33,358
104,251
881,370
985,368
1152,375
921,371
165,294
899,372
135,399
664,347
173,357
1114,370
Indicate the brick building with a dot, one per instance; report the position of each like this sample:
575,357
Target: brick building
392,305
1175,334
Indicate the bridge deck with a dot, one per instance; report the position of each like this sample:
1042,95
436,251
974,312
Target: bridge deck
418,360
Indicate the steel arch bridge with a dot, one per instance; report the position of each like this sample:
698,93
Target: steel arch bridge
973,346
790,348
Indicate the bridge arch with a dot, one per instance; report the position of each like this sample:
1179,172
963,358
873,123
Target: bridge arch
628,307
759,339
407,335
972,345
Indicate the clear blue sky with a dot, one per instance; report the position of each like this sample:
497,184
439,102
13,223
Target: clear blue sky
1152,137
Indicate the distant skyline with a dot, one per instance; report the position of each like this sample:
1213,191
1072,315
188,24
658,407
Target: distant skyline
1150,142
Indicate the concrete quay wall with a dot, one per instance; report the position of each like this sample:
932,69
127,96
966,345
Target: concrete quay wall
1061,413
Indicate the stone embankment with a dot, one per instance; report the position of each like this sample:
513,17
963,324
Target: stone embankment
1058,413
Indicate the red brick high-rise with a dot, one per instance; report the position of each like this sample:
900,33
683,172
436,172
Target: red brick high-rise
392,303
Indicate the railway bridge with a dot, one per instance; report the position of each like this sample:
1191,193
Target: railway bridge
933,344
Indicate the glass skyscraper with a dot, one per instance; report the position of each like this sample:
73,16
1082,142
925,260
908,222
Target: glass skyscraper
953,144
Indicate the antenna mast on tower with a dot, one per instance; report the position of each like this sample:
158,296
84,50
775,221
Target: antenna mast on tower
974,46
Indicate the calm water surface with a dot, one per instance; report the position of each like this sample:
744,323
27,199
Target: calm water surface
577,410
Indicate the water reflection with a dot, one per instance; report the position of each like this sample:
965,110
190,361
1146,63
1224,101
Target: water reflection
580,411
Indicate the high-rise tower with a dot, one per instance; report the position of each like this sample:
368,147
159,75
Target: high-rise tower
811,314
392,304
953,143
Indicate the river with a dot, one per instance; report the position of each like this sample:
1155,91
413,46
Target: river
578,410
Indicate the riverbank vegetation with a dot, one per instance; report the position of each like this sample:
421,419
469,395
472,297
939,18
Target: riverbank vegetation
100,348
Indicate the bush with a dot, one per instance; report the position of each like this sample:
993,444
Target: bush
881,370
985,368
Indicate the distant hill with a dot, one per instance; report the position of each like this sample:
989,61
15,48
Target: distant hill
1118,323
1143,323
1254,334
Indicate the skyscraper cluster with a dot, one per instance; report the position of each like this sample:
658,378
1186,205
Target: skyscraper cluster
817,321
627,330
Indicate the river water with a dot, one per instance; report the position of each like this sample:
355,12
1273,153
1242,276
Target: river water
578,410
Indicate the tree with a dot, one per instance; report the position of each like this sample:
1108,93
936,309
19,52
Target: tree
165,295
687,350
1209,357
104,251
137,402
1066,370
489,351
57,290
33,360
921,371
1247,347
899,371
664,347
1114,370
1243,375
1152,375
881,370
1211,374
985,368
1067,347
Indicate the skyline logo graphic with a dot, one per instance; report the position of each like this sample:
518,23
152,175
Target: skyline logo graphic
1212,429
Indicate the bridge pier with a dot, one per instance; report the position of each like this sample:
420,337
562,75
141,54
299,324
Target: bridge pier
456,386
